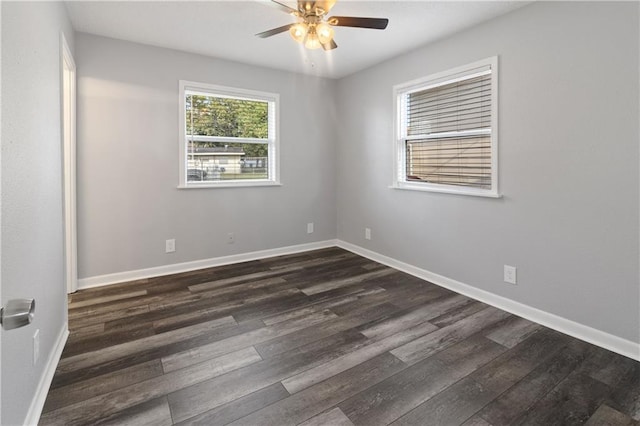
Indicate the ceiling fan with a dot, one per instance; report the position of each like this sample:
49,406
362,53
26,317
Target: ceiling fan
314,28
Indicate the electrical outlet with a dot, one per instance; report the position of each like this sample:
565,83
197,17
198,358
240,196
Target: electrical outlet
231,238
170,246
509,274
367,233
36,346
310,228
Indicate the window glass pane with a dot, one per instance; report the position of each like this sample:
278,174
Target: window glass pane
459,106
226,117
218,161
464,161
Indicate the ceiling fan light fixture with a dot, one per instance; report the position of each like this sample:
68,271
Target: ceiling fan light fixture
314,29
325,33
312,42
298,32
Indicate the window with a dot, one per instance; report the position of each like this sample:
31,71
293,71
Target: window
227,136
447,131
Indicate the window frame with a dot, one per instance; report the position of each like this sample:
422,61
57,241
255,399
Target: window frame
399,144
272,141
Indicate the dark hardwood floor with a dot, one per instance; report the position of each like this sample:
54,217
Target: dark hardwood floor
323,338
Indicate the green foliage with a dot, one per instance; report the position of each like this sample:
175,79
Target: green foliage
214,116
255,150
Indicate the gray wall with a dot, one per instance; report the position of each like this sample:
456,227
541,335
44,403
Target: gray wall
128,201
568,165
32,220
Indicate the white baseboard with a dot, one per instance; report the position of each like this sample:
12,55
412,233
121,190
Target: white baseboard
176,268
600,338
37,403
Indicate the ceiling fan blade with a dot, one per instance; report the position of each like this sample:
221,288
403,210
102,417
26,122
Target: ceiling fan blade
283,7
351,21
274,31
330,46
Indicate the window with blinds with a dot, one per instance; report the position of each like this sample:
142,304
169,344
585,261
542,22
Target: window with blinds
447,131
228,136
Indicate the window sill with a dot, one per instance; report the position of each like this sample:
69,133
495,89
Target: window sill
230,184
444,189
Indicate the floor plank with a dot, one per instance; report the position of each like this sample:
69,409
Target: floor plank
330,285
607,416
334,417
151,413
573,401
324,371
124,349
145,354
401,393
518,399
210,394
312,401
421,348
362,315
86,389
450,407
411,317
513,331
215,349
626,394
240,407
109,403
105,299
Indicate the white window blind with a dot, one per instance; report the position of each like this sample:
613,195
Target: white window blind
446,134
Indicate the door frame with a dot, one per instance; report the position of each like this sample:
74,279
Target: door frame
68,117
1,301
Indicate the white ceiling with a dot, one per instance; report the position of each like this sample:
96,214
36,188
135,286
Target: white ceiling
226,29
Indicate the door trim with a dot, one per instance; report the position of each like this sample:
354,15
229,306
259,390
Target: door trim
68,109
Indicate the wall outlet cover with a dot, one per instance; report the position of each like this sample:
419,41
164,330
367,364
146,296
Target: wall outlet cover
510,274
310,228
170,246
